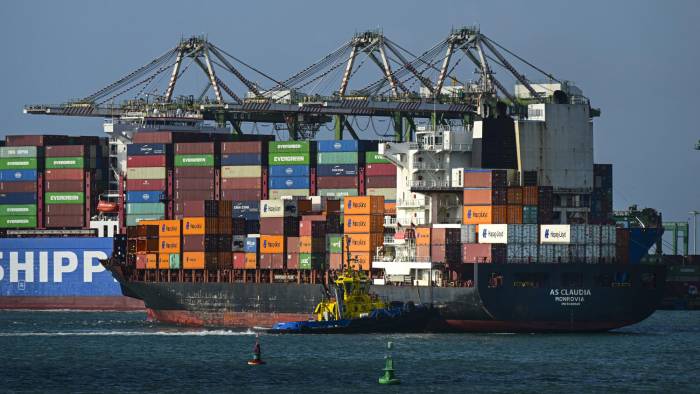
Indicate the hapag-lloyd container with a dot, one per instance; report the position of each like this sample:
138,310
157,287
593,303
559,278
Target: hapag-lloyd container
477,214
355,224
363,205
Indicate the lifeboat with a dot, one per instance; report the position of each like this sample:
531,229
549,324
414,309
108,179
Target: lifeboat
107,207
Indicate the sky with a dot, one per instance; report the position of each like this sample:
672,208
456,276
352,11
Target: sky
636,61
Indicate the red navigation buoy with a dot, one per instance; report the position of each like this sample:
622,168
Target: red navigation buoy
257,359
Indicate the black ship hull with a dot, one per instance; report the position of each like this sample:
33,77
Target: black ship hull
503,298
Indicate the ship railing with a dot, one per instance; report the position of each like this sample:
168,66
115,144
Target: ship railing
428,166
431,184
409,203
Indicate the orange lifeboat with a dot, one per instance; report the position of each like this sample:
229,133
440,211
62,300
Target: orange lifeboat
107,207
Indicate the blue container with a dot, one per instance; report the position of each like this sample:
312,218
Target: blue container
145,149
251,245
62,267
338,146
285,171
336,170
249,210
18,198
242,159
142,196
292,182
17,175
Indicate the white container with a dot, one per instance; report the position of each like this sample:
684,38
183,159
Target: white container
555,234
468,233
494,233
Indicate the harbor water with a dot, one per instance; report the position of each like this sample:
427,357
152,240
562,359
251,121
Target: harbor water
96,351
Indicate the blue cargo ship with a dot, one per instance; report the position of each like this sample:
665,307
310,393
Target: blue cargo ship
59,273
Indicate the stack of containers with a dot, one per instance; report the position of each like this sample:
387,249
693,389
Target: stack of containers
522,243
556,242
545,204
312,242
146,182
249,211
169,242
608,241
65,193
147,246
602,197
243,167
338,164
380,179
334,246
445,241
200,235
485,196
278,220
363,226
290,165
195,173
515,205
491,246
18,186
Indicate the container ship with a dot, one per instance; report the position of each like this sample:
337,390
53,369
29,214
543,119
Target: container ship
502,222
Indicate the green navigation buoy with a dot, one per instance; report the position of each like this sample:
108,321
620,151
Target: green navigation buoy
389,377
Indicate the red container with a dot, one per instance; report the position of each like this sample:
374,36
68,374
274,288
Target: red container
194,172
145,184
64,151
292,261
184,195
515,214
380,170
272,226
145,161
64,210
141,261
499,214
530,194
64,174
64,186
238,260
380,181
42,140
194,148
71,221
338,182
153,137
422,251
241,183
199,243
489,178
515,195
292,244
18,187
241,195
200,184
243,147
335,261
476,253
272,260
225,260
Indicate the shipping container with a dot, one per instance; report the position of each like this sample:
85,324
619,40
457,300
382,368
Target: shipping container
389,193
380,170
18,187
193,260
337,158
204,160
364,242
272,260
146,149
289,183
485,196
515,214
141,173
133,220
64,221
155,208
380,181
64,210
243,147
18,175
485,178
477,214
337,182
194,172
288,159
64,162
18,163
272,244
243,159
187,195
241,195
279,193
251,260
146,161
241,183
194,148
7,152
241,171
145,184
375,158
64,198
18,221
63,186
337,170
355,224
200,243
169,244
18,210
530,195
515,195
199,225
143,196
289,146
198,184
337,192
364,205
290,171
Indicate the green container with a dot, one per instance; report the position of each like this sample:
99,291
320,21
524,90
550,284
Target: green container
288,158
375,158
133,220
337,192
289,146
309,261
335,243
530,214
17,209
65,162
145,208
194,160
174,261
64,198
18,163
17,151
18,222
337,158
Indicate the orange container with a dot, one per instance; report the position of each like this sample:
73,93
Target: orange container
199,226
477,214
305,244
164,261
515,214
530,195
359,260
193,260
364,242
477,196
363,205
152,262
169,245
515,195
499,214
251,261
422,235
390,208
356,224
272,244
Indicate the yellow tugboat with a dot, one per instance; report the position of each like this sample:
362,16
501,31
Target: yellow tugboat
356,301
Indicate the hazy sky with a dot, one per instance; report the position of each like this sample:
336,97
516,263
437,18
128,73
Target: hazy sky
637,61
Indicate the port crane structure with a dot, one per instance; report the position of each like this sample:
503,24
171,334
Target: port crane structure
408,87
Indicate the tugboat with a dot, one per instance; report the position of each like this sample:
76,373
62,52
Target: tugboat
353,309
